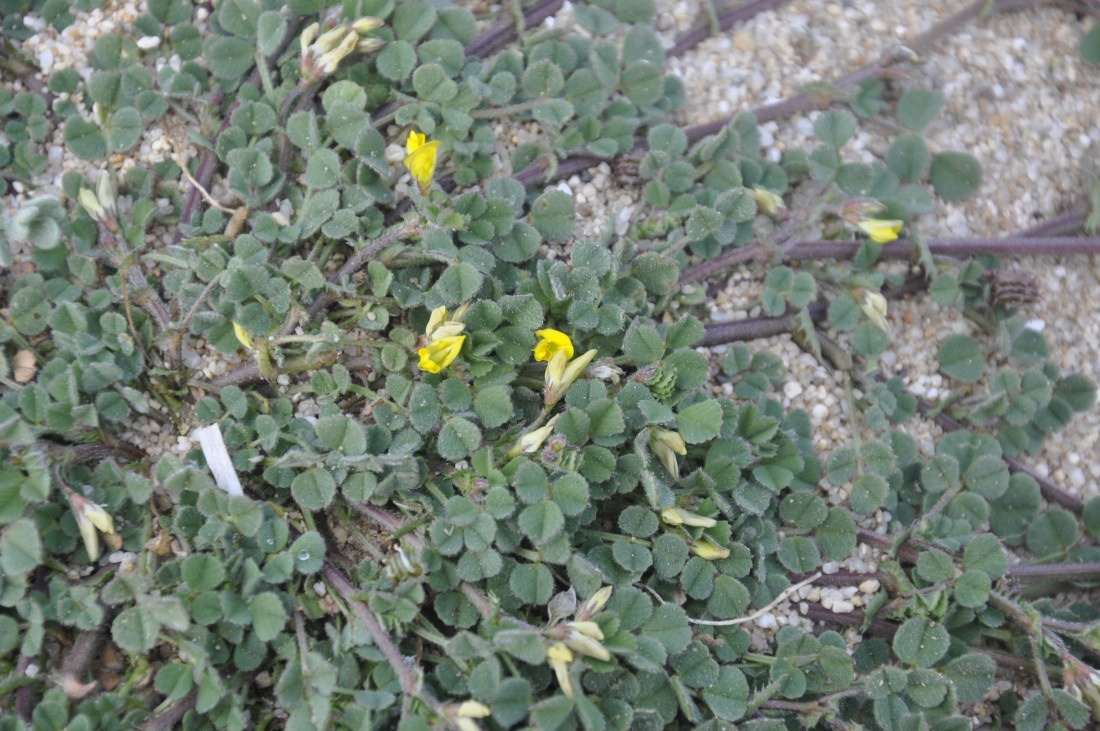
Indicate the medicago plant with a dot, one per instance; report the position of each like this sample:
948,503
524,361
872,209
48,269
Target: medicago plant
444,463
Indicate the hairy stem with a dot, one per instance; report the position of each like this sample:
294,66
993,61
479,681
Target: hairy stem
405,671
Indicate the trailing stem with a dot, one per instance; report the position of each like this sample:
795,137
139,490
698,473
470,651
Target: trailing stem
405,671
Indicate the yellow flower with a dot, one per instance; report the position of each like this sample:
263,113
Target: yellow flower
559,656
874,306
550,342
441,353
767,201
706,548
420,159
881,230
678,516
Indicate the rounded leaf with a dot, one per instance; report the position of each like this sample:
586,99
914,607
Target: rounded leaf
921,642
961,358
955,175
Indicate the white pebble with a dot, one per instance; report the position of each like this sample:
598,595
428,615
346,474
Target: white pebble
45,60
564,188
148,43
792,389
870,586
830,567
766,621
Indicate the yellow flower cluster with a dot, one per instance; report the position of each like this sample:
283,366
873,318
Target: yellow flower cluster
444,339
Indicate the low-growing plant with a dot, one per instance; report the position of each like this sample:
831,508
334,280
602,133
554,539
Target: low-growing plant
443,462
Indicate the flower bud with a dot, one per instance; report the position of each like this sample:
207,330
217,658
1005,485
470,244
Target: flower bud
366,24
678,516
89,518
706,548
666,445
530,442
585,645
590,629
767,201
874,306
473,709
561,372
91,204
594,604
242,335
309,35
559,656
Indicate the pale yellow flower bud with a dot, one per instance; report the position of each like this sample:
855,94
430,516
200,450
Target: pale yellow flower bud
678,516
585,645
91,204
591,629
706,548
666,445
90,518
473,709
309,35
366,24
106,193
369,45
874,306
672,439
529,443
561,374
767,201
331,59
242,336
559,656
330,39
595,603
